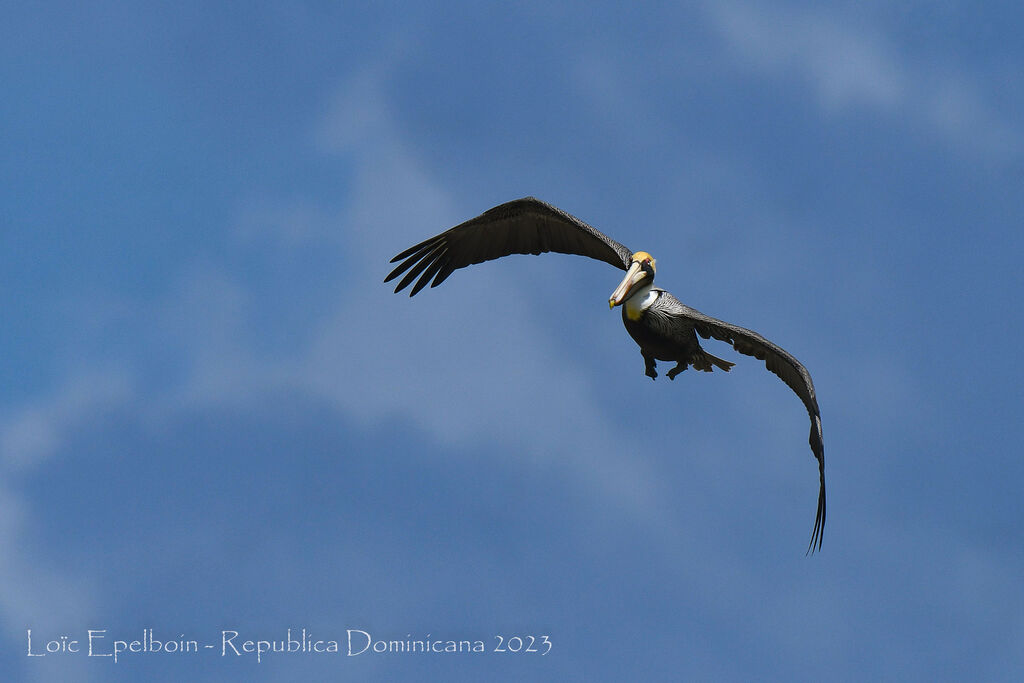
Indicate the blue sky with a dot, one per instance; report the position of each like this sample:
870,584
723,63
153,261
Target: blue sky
214,416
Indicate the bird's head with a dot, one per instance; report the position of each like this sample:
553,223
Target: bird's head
639,274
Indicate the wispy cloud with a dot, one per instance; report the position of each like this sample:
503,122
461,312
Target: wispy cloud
853,65
35,594
33,432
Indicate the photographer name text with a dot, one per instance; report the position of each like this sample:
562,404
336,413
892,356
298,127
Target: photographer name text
355,642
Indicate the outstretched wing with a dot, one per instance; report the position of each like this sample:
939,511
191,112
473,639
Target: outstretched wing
789,369
522,226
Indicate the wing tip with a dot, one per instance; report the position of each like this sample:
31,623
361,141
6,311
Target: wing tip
818,534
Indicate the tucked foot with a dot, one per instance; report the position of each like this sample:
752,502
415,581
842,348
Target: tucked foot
676,370
649,367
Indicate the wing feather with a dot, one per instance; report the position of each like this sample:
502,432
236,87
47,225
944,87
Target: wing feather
782,364
522,226
424,260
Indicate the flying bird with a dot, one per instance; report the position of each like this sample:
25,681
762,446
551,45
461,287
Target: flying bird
663,327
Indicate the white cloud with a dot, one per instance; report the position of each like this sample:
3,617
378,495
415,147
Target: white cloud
35,431
849,64
845,66
47,599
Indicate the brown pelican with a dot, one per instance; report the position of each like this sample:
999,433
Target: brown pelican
665,328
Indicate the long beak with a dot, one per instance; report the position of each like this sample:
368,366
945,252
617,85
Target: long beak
633,277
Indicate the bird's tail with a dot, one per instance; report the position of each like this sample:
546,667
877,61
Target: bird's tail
704,360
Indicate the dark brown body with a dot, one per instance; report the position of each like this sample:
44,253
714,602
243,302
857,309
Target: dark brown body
664,336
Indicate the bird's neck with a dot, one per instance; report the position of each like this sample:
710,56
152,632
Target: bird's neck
640,301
